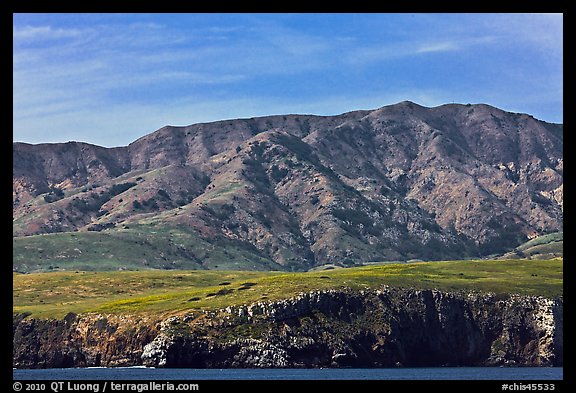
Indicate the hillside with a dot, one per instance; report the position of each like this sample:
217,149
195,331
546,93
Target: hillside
541,247
292,192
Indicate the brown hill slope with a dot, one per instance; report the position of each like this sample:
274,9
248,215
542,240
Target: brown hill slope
295,191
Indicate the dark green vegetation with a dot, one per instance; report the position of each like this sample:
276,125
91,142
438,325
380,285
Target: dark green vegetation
294,192
541,247
151,246
162,293
136,247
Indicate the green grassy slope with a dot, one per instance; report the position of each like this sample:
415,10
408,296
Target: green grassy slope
161,293
542,247
139,247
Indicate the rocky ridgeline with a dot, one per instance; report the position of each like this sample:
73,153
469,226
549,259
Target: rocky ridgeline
334,328
294,192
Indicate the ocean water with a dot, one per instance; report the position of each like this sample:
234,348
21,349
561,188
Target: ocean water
440,373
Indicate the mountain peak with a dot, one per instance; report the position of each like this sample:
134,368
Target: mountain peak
409,104
295,191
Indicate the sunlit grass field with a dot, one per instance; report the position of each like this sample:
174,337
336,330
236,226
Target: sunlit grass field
160,293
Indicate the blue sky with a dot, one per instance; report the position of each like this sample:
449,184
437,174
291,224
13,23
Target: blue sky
109,79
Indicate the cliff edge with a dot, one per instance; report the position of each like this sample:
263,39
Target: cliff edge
334,328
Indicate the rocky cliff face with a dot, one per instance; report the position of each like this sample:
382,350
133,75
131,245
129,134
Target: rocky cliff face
296,191
90,341
336,328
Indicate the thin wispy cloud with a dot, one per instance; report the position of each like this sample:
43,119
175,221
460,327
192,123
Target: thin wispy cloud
72,73
365,55
438,47
43,33
541,32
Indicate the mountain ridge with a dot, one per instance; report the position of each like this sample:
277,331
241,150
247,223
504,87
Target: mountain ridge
399,182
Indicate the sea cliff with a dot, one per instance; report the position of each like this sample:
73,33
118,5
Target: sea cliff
387,327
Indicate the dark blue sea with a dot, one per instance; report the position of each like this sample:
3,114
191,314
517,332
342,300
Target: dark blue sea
441,373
